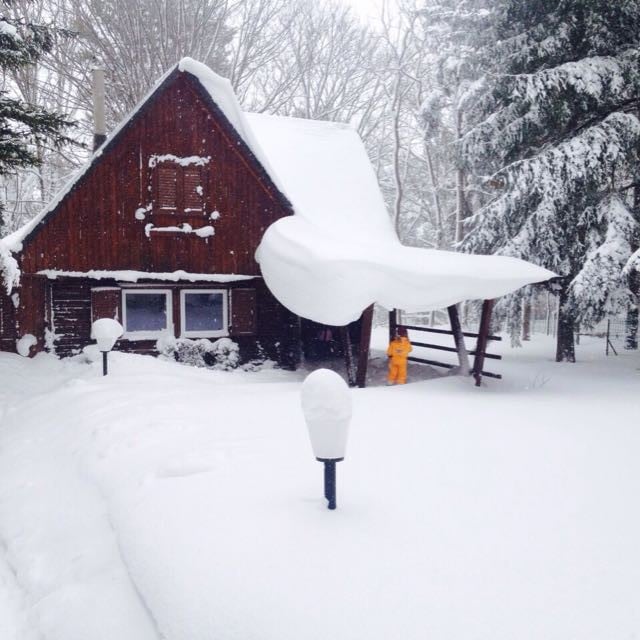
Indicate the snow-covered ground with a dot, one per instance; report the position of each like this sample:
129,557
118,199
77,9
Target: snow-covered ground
169,502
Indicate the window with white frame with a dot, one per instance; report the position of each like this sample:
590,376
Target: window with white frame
146,313
203,313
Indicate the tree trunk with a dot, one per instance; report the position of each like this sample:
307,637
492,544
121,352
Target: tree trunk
565,349
526,319
631,339
460,187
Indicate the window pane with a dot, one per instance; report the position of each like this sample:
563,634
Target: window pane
146,311
203,312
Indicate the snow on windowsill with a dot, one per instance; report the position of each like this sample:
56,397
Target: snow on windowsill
198,161
134,276
202,232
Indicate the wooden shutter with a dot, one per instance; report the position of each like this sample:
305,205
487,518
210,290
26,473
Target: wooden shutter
105,303
166,191
193,189
243,312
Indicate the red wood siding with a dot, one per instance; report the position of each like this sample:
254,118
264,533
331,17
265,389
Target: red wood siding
96,227
31,314
105,303
242,320
7,323
71,315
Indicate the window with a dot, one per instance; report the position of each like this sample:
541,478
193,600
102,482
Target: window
146,314
203,313
179,189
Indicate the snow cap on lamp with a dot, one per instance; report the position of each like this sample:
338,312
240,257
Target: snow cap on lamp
326,404
105,332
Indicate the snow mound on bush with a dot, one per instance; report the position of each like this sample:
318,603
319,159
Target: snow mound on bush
223,354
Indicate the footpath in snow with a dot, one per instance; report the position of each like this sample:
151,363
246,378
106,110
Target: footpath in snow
166,502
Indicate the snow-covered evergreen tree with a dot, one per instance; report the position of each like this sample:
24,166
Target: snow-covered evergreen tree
559,139
23,125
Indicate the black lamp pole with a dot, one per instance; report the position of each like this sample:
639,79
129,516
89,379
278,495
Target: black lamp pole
330,480
104,362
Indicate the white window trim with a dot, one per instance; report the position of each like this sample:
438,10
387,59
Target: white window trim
221,333
148,335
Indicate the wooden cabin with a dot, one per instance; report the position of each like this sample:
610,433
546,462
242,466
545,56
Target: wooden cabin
162,230
159,231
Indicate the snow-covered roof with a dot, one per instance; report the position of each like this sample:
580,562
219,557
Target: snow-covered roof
339,253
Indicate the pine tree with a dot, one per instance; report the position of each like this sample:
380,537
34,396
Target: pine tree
21,125
559,139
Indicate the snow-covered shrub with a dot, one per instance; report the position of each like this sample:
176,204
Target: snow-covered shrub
24,344
223,354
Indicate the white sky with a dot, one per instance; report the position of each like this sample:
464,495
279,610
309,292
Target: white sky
365,8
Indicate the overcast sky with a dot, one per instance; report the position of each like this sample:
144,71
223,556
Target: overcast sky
365,8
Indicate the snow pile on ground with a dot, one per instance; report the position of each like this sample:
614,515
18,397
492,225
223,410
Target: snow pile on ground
178,503
339,253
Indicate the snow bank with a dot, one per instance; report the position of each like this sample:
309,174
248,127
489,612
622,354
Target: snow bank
171,502
339,253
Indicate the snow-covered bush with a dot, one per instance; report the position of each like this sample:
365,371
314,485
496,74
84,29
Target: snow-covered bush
24,344
223,354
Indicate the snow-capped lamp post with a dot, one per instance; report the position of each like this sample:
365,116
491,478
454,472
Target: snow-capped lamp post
105,332
326,404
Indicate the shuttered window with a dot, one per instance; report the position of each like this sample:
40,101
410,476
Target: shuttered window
179,189
167,187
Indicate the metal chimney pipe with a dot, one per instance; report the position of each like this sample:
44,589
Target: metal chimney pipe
99,125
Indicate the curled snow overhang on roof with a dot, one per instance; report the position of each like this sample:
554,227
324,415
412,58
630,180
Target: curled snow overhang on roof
340,253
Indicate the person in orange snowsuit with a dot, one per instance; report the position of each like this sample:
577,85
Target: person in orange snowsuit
398,352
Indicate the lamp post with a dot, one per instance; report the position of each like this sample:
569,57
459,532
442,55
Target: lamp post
326,404
105,332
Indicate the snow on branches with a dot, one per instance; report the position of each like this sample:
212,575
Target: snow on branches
539,215
598,288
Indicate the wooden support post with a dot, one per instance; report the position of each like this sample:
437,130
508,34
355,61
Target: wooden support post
366,325
348,355
393,323
483,339
458,337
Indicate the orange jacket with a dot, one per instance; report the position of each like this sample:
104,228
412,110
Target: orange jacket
399,349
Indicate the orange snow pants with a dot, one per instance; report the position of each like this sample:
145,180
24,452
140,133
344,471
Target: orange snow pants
397,372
